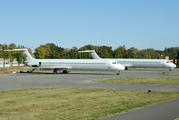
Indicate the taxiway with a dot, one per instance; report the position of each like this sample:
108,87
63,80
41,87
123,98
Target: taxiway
83,79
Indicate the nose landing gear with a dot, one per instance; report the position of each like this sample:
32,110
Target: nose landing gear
118,73
171,69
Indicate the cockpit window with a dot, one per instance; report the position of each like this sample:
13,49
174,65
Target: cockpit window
168,62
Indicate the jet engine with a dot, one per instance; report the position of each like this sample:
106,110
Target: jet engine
33,64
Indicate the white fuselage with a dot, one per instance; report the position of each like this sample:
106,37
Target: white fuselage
76,64
66,64
154,63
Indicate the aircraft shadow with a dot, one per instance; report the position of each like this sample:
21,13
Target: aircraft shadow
147,69
69,73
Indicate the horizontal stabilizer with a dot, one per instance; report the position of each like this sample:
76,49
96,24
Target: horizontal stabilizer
86,51
16,50
25,54
92,53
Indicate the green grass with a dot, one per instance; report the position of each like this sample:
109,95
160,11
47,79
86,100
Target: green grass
142,80
170,74
74,104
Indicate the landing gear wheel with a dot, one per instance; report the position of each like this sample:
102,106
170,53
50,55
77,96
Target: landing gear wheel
126,68
65,72
55,71
118,73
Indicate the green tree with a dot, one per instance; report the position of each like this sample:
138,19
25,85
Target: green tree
177,52
85,55
1,48
172,52
20,46
166,52
174,61
73,53
4,53
19,58
65,54
117,53
50,51
105,52
56,52
159,53
13,53
121,52
144,54
42,52
132,52
151,51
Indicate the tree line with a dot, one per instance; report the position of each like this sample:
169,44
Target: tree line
14,54
52,51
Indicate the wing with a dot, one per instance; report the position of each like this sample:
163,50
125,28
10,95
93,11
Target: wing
54,67
126,65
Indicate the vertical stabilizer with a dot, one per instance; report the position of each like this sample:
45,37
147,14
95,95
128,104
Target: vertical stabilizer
25,54
92,53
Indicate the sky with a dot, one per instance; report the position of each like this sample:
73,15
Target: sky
67,23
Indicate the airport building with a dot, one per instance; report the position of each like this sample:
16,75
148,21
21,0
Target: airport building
167,58
8,63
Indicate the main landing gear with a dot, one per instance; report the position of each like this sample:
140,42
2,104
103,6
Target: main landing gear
32,70
65,72
54,71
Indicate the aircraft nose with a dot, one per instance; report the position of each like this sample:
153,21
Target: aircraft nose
121,67
174,66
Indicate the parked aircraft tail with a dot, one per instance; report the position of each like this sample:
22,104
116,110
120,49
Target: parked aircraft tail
92,53
25,54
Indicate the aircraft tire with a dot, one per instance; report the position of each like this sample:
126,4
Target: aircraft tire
65,72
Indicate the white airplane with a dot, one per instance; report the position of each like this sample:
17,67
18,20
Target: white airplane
69,64
152,63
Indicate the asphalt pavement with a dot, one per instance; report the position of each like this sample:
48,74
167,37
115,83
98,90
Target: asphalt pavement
163,111
83,79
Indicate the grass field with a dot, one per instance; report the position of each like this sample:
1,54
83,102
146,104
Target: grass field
9,70
142,80
74,104
170,74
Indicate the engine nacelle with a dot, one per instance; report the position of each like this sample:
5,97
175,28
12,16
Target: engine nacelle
33,64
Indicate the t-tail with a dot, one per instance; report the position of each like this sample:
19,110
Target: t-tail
25,54
92,53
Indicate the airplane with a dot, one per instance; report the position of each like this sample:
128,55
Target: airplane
151,63
69,64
